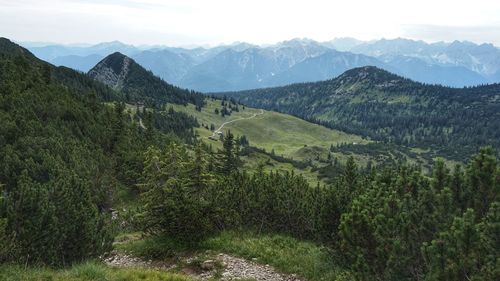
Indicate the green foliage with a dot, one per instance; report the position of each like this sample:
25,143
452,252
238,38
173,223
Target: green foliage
284,133
53,145
141,85
183,199
285,253
89,271
173,193
62,153
483,180
229,160
81,84
157,247
404,226
168,122
5,239
388,224
267,202
372,102
468,250
56,224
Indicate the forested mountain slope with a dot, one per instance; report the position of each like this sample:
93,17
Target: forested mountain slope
385,107
63,152
139,85
65,155
54,140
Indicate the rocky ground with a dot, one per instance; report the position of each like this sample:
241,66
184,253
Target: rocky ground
221,267
117,259
238,268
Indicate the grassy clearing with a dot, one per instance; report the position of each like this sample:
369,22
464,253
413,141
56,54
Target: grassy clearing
85,272
287,254
284,253
283,133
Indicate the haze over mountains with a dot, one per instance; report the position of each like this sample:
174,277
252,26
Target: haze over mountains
243,66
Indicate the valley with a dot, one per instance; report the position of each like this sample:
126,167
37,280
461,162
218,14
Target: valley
116,174
313,147
287,135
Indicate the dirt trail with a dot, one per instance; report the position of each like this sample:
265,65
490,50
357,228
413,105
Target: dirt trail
223,267
238,268
219,130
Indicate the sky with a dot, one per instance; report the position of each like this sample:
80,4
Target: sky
213,22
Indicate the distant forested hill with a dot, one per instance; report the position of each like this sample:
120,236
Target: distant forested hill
385,107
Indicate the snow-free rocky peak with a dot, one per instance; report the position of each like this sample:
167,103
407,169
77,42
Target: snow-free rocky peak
112,70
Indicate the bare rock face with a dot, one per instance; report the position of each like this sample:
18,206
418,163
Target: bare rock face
112,70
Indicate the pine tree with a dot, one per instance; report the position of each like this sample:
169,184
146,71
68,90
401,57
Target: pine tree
440,175
458,188
198,174
173,200
481,174
118,124
350,175
228,156
452,256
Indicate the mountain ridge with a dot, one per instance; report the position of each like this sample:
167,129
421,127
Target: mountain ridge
386,107
455,64
138,84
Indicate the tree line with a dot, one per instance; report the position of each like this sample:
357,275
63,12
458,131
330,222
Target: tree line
65,156
374,103
384,224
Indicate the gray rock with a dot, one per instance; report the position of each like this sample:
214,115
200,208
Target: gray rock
208,265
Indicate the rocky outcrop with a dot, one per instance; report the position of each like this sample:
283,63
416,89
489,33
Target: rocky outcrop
112,70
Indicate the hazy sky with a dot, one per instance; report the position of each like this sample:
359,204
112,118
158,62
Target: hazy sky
190,22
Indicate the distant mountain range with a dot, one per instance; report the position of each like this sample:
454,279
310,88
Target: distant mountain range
243,66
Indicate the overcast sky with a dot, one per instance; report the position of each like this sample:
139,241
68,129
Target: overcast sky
196,22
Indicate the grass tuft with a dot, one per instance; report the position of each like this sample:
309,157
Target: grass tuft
160,247
286,254
89,271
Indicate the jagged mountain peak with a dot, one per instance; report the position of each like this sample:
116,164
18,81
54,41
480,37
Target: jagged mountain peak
298,43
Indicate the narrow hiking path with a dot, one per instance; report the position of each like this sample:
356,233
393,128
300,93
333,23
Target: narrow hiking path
219,130
221,267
